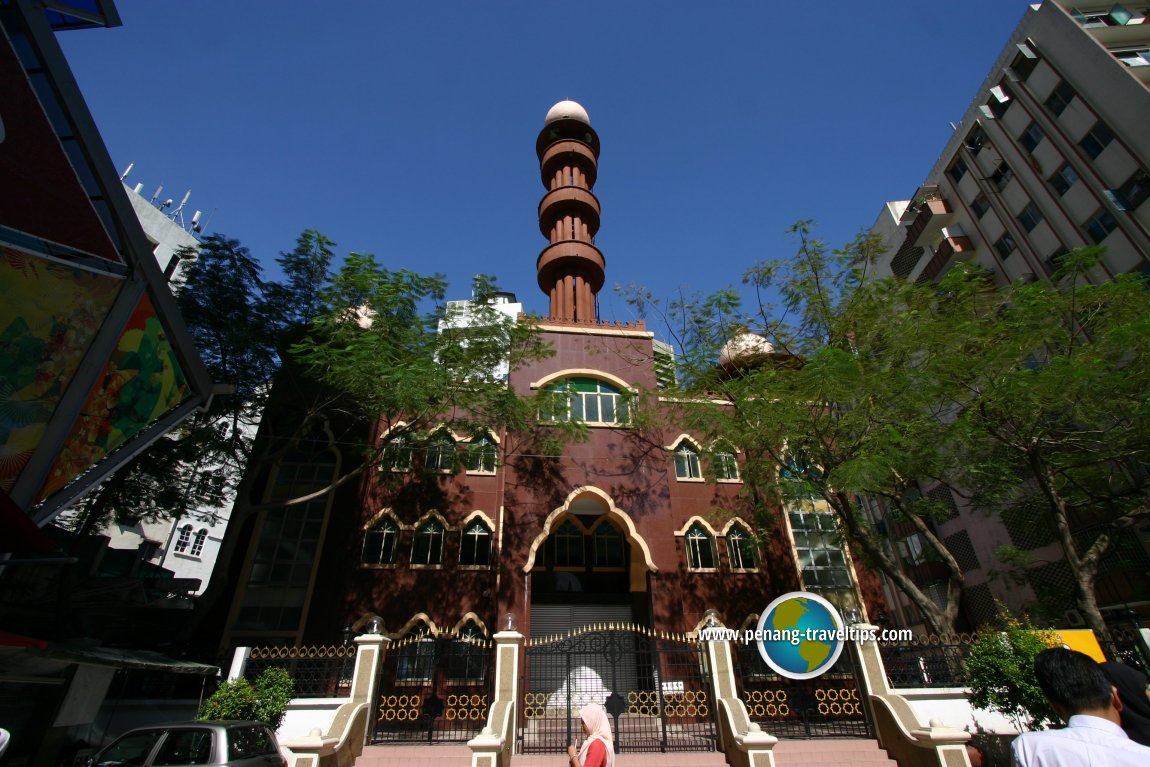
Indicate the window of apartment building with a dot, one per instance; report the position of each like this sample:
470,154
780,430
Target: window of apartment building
957,170
1030,217
1064,178
440,453
1060,98
1100,225
976,139
687,461
1000,100
475,545
184,540
481,455
1025,62
1096,140
198,542
1134,192
1135,58
1005,245
588,400
725,464
1001,176
1115,17
741,549
397,453
380,543
700,549
980,205
607,546
1055,259
1031,137
427,545
820,552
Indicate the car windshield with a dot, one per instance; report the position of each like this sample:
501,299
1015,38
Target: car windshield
132,749
249,740
185,747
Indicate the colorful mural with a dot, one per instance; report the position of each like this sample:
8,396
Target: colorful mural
49,313
141,381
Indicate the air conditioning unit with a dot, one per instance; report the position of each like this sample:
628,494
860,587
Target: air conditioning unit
1073,619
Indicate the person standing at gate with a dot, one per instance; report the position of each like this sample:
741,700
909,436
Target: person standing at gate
598,748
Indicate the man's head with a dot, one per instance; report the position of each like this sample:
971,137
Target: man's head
1075,684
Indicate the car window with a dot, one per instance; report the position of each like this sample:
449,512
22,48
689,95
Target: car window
250,740
132,749
183,747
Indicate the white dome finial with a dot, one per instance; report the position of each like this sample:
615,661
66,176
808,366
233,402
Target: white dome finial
567,110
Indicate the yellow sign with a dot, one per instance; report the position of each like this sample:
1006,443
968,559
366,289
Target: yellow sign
1082,640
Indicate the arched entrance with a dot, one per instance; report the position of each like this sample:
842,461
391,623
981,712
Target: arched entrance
588,566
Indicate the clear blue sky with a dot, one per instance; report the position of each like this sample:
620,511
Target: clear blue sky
407,129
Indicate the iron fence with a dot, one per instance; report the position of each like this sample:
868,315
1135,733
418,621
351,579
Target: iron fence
322,671
928,661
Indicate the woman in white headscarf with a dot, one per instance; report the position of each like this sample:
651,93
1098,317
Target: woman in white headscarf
598,748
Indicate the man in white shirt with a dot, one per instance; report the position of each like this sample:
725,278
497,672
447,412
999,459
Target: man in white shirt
1081,694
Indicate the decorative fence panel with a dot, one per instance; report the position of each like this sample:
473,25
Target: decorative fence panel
319,672
653,686
434,689
928,661
826,706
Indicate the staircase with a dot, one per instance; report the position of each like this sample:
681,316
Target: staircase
825,752
831,752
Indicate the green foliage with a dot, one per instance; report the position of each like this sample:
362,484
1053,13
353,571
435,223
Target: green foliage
1000,671
265,701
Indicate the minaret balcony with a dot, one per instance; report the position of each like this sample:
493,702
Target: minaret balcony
568,198
568,152
571,256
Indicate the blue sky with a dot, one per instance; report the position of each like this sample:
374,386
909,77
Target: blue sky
407,129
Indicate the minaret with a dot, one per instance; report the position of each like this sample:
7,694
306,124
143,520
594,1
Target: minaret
570,268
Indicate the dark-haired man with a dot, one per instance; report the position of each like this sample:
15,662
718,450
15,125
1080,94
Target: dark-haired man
1081,694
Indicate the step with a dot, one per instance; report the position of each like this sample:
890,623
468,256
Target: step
831,752
634,759
407,755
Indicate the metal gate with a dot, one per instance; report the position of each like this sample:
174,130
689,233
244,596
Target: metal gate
826,706
434,689
653,686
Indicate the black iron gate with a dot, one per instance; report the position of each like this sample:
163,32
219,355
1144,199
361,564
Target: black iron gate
434,689
653,686
826,706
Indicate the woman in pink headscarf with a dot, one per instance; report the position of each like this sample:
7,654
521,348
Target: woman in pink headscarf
597,750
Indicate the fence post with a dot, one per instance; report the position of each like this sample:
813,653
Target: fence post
493,746
743,741
908,741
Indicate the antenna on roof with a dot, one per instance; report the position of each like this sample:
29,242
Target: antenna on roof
156,196
124,175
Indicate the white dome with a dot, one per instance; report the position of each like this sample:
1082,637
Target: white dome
744,345
567,110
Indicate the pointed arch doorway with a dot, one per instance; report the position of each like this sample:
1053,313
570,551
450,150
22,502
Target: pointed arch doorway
588,566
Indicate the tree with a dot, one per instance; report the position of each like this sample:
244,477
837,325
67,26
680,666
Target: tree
265,701
1057,425
1000,671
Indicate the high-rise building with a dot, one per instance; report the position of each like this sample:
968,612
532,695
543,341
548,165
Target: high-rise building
1051,155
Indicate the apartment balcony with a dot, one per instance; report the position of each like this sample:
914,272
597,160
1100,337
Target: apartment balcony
927,226
947,250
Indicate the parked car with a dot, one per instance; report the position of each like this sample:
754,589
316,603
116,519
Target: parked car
182,744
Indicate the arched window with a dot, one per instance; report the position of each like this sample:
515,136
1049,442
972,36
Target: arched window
475,545
440,453
568,542
380,543
427,547
397,453
481,455
687,461
725,463
741,549
198,543
608,546
585,399
184,540
700,549
417,655
468,659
